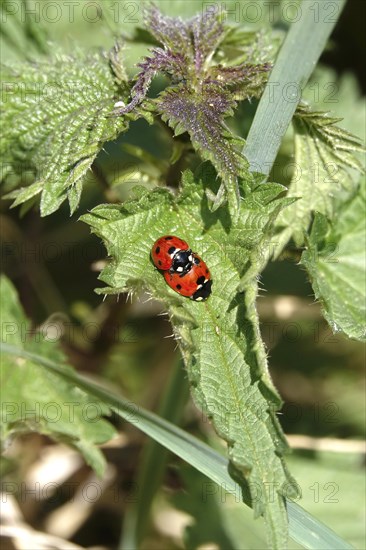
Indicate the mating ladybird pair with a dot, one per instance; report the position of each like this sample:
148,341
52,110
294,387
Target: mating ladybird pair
184,271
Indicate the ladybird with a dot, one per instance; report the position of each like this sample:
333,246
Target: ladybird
173,254
195,284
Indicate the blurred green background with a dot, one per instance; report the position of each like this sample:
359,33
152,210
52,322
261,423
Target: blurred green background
54,263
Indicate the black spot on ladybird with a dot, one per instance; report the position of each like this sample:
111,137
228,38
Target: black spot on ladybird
168,238
157,249
171,250
200,280
202,293
159,262
178,287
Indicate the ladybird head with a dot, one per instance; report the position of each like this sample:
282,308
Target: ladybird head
182,262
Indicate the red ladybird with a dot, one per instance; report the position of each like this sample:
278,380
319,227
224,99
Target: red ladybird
195,284
173,254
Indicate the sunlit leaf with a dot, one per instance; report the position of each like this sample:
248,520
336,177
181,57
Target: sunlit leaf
56,118
336,261
219,339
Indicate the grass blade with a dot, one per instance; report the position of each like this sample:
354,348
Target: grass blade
304,528
299,54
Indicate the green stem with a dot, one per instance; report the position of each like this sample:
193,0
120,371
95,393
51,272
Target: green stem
153,461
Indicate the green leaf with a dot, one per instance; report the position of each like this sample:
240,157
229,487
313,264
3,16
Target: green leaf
56,118
336,262
323,152
34,399
304,528
339,95
202,116
339,144
219,339
243,45
25,194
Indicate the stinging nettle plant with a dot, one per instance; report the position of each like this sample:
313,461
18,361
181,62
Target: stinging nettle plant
229,215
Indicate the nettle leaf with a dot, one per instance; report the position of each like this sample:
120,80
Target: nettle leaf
342,145
245,81
171,31
202,93
241,45
160,60
335,260
56,118
34,399
323,154
201,117
207,32
219,339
